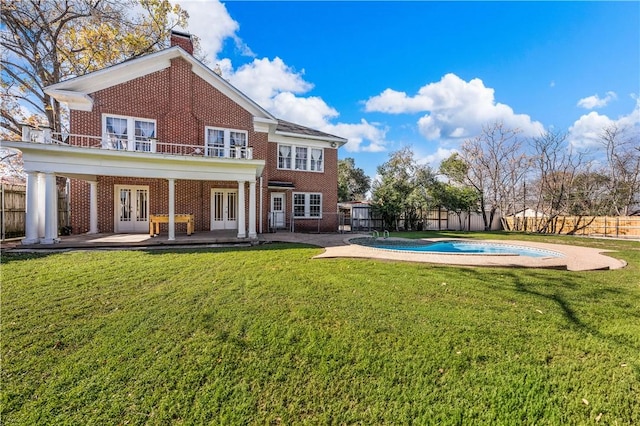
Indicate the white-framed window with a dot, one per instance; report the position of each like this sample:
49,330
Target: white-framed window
228,143
307,205
292,157
317,160
284,156
128,133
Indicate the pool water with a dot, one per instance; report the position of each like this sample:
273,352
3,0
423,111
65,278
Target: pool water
466,247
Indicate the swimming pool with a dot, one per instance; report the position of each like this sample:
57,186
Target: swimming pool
457,247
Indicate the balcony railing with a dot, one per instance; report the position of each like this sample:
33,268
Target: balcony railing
143,145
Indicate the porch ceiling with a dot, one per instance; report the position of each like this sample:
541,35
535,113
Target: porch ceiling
74,161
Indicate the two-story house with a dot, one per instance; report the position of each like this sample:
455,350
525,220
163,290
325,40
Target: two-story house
165,135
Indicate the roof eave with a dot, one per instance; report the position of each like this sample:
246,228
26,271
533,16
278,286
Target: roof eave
328,138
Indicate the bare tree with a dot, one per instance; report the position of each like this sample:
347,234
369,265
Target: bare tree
46,41
555,167
622,147
496,167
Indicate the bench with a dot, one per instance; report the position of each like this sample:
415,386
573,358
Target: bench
156,219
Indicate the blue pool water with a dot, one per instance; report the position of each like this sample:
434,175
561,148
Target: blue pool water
466,247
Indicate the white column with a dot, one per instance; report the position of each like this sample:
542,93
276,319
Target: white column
41,205
93,207
50,210
172,209
252,209
242,232
31,228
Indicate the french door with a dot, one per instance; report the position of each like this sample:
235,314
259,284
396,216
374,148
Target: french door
224,209
131,209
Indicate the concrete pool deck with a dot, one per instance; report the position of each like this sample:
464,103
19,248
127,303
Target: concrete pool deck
575,258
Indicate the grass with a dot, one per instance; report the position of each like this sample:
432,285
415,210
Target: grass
268,335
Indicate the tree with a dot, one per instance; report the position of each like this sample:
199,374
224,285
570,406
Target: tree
353,184
554,166
495,165
47,41
402,191
455,198
622,147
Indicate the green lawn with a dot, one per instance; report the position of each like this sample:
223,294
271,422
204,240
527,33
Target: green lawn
267,335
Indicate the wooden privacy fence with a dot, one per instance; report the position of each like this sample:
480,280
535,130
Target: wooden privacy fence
596,226
13,210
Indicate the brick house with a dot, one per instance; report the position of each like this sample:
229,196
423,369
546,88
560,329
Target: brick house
165,135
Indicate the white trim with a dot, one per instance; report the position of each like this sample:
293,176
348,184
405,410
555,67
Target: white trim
70,160
303,140
75,100
340,141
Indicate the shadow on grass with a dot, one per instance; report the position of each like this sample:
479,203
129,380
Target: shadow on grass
8,257
569,313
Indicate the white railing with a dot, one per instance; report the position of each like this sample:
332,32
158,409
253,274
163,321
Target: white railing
150,145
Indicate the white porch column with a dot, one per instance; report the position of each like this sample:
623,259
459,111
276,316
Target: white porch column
172,209
242,232
31,228
93,207
252,209
50,210
41,205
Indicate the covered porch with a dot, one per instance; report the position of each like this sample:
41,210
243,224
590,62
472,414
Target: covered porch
47,159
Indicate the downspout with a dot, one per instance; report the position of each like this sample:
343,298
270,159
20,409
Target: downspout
261,203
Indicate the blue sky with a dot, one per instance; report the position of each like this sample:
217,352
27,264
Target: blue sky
429,74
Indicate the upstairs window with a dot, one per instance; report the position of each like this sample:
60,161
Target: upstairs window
284,157
225,142
291,157
301,158
129,133
316,160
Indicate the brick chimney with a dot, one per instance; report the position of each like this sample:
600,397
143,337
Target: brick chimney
183,40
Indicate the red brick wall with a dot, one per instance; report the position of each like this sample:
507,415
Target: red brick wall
183,105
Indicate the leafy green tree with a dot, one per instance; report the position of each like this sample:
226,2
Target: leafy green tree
402,190
353,183
47,41
455,198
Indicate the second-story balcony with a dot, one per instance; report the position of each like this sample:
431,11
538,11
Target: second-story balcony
138,144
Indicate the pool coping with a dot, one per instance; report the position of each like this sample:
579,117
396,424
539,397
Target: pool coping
574,258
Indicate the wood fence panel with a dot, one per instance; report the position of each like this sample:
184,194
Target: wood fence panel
596,226
13,210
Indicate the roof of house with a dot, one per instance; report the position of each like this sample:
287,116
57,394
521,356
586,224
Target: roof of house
286,127
75,91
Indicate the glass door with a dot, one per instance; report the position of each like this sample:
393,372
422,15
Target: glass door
131,209
224,209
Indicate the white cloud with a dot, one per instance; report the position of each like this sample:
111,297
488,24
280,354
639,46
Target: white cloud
436,158
273,84
264,79
357,133
212,24
456,109
586,131
592,102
